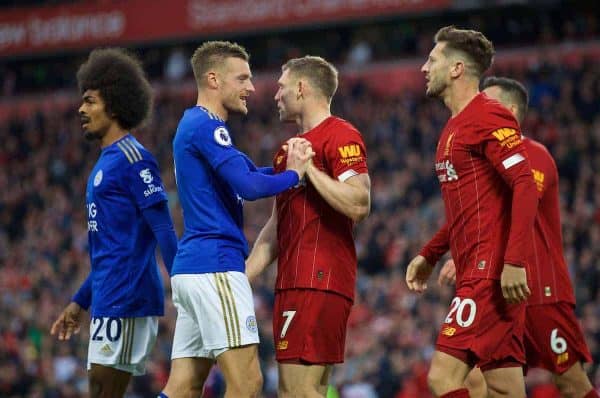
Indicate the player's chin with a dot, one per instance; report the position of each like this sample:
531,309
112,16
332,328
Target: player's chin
243,109
91,135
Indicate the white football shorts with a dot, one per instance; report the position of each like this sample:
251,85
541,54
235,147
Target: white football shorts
215,312
122,343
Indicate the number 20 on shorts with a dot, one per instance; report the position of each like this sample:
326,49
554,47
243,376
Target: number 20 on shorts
457,308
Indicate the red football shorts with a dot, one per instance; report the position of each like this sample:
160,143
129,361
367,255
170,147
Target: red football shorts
553,338
309,326
482,329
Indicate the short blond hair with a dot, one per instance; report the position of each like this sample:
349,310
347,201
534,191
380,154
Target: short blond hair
212,54
322,74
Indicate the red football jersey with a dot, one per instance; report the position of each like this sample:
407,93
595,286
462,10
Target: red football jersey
549,277
316,242
488,190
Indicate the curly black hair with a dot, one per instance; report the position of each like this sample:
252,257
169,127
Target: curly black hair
119,78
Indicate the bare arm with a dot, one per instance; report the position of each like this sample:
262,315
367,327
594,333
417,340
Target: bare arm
351,197
264,251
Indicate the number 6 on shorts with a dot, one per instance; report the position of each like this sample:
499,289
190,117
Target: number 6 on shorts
289,315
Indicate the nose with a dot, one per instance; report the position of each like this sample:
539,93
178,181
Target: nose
425,67
250,86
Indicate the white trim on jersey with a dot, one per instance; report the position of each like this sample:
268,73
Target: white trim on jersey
512,160
347,174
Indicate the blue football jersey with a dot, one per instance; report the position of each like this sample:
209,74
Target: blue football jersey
124,276
213,239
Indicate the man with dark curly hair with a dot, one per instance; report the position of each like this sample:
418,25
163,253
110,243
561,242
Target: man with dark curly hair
127,216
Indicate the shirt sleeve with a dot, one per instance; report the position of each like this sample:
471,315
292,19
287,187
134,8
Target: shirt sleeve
144,184
437,246
251,184
159,220
212,142
346,154
83,297
501,143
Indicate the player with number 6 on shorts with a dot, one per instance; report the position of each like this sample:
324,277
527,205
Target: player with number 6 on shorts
553,337
490,203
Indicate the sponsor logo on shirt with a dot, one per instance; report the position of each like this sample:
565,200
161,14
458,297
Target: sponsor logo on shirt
449,331
279,160
508,137
350,154
538,177
448,171
282,345
152,189
146,176
92,211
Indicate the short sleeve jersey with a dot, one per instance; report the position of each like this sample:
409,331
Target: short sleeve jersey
316,243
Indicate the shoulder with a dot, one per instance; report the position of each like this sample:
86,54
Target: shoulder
343,129
487,119
130,151
492,114
537,151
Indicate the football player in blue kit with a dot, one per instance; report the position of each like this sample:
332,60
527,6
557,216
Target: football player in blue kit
215,308
127,216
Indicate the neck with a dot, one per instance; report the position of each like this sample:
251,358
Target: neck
460,94
312,117
212,104
114,133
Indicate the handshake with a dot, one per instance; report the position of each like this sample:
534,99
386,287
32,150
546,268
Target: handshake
299,155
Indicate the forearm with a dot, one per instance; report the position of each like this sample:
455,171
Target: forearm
351,199
264,251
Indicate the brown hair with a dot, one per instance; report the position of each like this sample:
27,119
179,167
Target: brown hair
473,44
322,74
212,53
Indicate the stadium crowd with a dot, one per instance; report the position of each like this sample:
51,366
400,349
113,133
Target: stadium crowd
344,44
44,164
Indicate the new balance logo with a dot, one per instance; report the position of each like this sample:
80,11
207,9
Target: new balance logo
449,331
